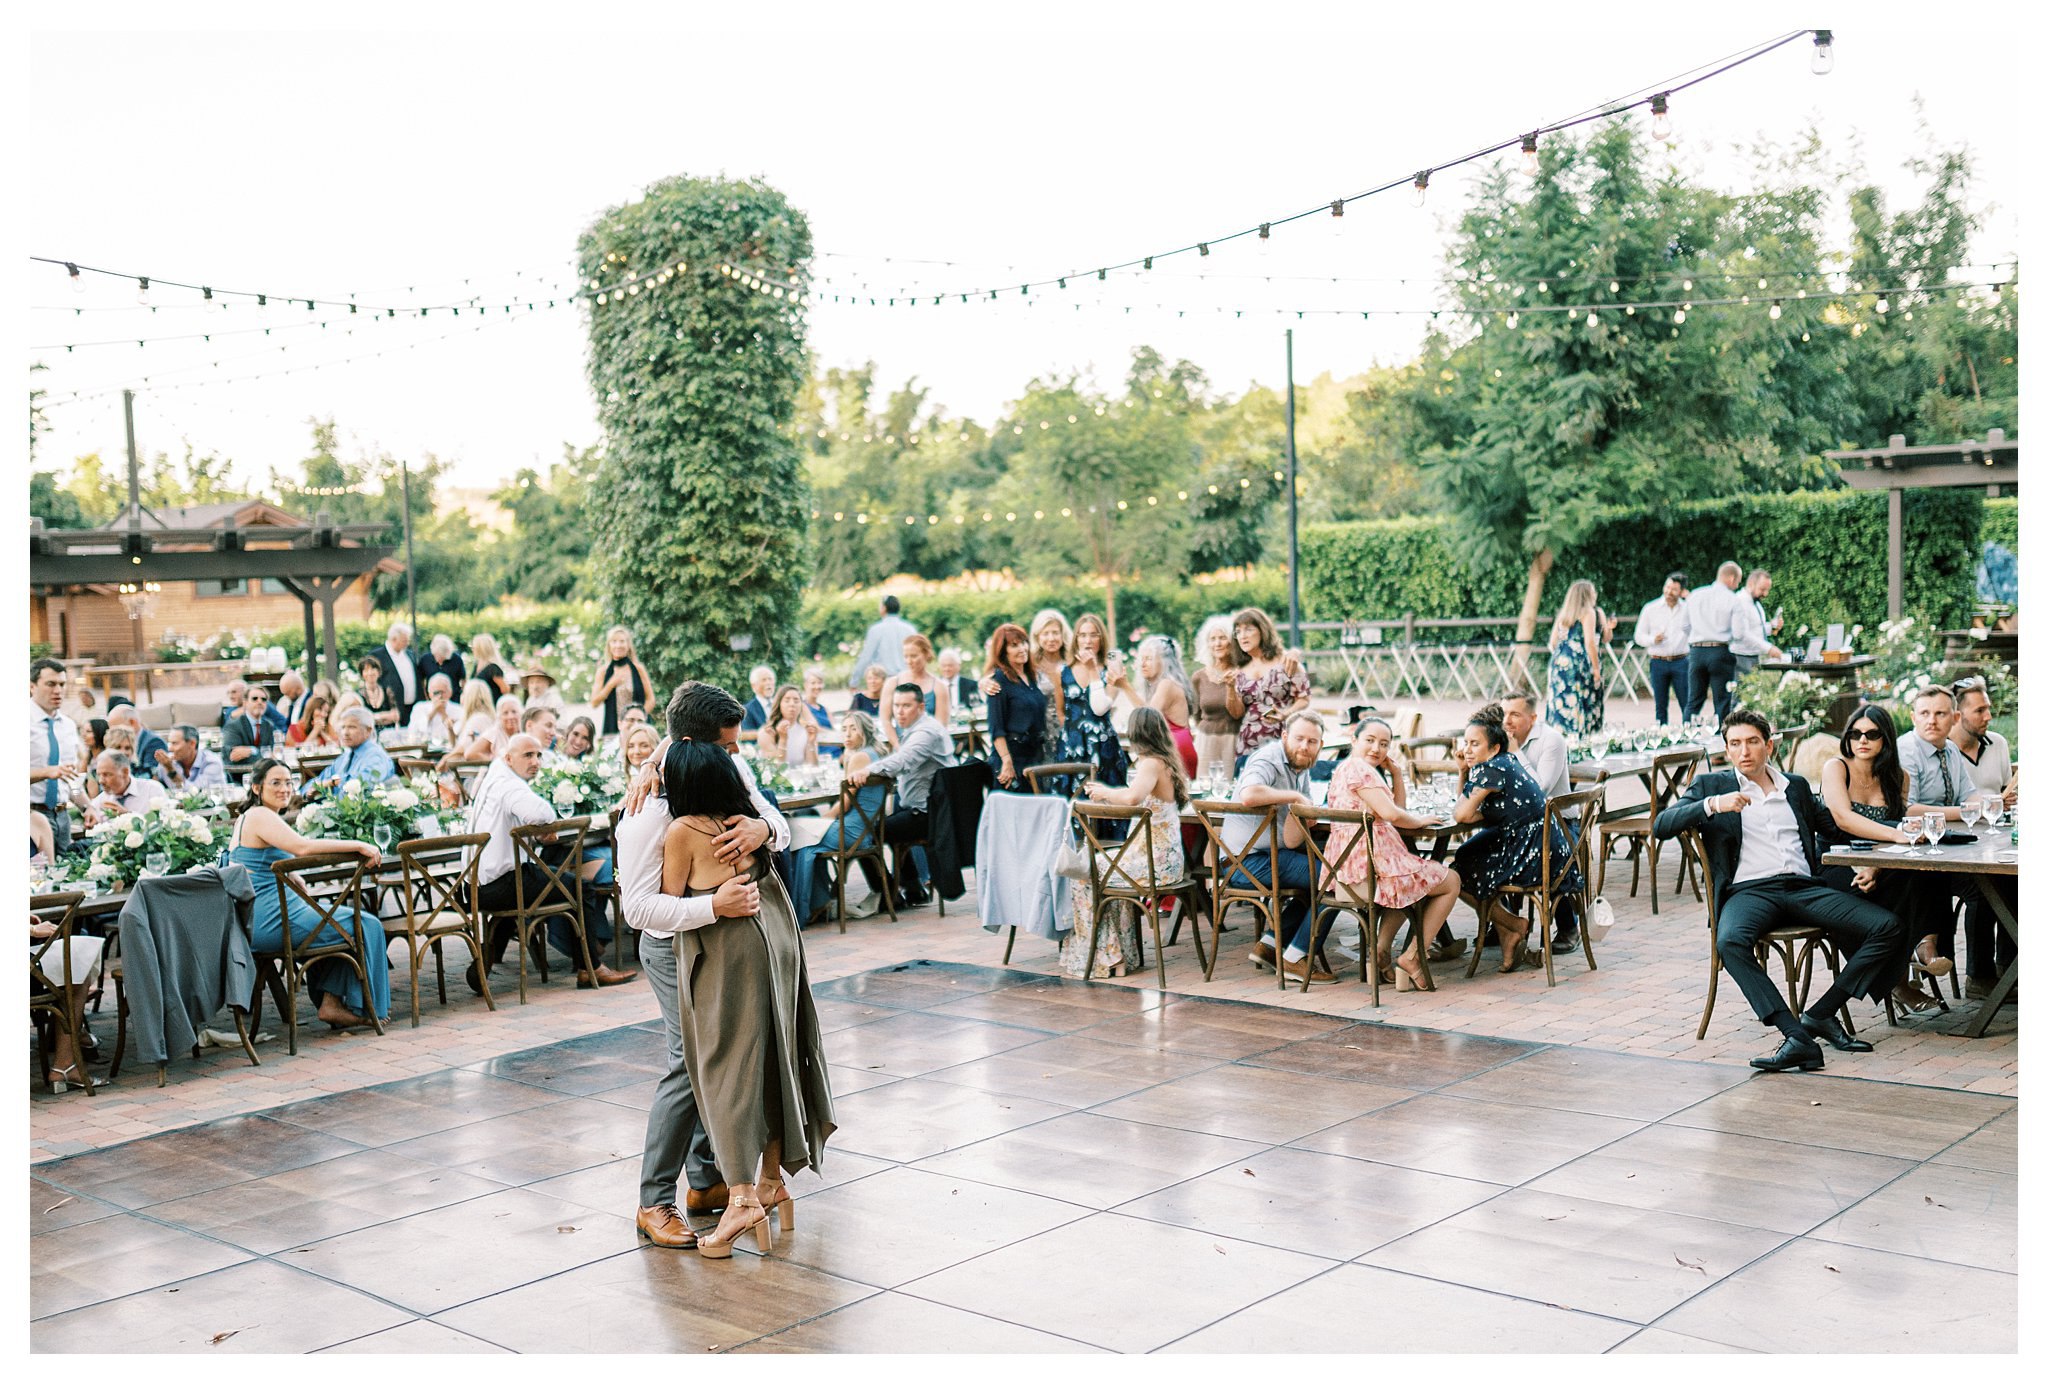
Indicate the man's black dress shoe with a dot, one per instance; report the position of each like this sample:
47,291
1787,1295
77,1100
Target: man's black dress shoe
1567,939
1829,1030
1795,1055
471,978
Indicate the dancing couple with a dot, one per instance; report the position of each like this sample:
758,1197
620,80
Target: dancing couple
745,1099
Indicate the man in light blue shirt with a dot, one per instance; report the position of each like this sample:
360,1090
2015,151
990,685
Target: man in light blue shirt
361,756
1941,776
923,747
884,642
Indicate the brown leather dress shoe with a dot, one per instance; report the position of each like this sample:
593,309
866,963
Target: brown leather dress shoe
706,1200
604,975
664,1227
1316,974
1261,955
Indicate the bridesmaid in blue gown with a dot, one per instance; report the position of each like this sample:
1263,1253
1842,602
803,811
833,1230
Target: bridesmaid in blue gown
261,839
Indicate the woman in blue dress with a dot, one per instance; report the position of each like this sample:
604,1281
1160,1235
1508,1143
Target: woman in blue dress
1577,702
261,839
1016,707
807,879
1508,848
1087,684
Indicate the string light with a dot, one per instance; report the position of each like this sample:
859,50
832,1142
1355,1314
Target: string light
1421,187
1530,163
1823,52
1660,117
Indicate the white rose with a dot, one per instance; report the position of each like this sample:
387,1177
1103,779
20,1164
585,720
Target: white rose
133,840
403,799
354,788
566,794
201,834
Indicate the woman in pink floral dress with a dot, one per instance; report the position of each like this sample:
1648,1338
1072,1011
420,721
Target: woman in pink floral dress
1402,879
1270,685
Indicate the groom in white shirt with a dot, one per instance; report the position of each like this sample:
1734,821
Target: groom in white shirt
676,1140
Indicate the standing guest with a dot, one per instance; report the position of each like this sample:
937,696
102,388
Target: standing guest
313,731
814,693
1157,784
1168,692
441,658
249,735
1865,789
636,746
621,680
147,741
435,716
676,1139
121,788
1052,640
1401,878
1087,686
361,756
539,722
1662,633
375,696
490,743
1508,847
869,699
261,839
505,799
807,864
579,739
1984,750
490,665
1753,624
762,703
185,764
883,642
923,747
1276,774
396,670
1016,706
1269,687
475,713
1215,684
960,687
1573,704
917,660
233,705
291,696
791,736
537,688
1762,834
1710,615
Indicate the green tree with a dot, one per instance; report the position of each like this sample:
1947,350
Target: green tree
546,557
700,504
50,502
38,420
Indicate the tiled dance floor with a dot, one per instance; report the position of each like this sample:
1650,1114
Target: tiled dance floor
1030,1164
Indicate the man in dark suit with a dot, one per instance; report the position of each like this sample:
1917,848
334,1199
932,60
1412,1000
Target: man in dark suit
1760,828
249,734
754,715
397,673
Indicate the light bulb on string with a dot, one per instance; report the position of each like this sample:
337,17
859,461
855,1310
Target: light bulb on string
1660,117
142,292
1265,239
1422,187
1337,215
1823,52
1530,164
77,279
1777,309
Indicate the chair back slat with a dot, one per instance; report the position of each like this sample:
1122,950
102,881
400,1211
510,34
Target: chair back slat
429,890
1079,770
1557,825
1213,815
867,834
1325,864
558,891
65,906
1107,871
299,875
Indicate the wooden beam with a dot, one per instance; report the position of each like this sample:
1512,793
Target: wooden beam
82,569
1895,552
1927,477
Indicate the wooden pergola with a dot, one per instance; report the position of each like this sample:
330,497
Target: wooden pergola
316,562
1896,468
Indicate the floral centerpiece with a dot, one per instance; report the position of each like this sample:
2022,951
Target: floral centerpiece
1785,699
581,787
771,775
355,809
163,834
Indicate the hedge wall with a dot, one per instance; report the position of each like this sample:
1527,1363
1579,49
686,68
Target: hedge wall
2001,523
1824,549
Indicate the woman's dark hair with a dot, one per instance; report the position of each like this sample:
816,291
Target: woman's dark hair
99,731
1269,637
1149,733
589,731
257,772
699,779
1886,769
1496,734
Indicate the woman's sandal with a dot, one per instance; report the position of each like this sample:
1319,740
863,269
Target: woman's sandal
1927,963
1912,998
1408,972
775,1197
1513,949
741,1215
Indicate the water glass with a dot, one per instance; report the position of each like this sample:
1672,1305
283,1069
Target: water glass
1973,811
1912,828
381,834
1933,824
157,862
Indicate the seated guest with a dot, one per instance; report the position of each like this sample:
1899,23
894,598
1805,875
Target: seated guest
147,741
1277,773
1157,781
290,703
635,716
814,694
539,687
441,658
869,698
1992,948
249,735
1541,750
361,756
923,747
579,739
121,788
1402,880
1508,848
376,696
966,690
637,746
473,714
807,876
1940,781
1016,708
490,743
232,707
759,706
1761,831
1865,790
434,717
185,764
539,722
505,799
791,736
314,729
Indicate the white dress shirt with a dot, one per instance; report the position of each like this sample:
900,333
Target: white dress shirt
1748,639
141,793
1993,769
1543,754
408,676
1710,613
637,849
40,723
503,801
1770,832
426,718
1668,620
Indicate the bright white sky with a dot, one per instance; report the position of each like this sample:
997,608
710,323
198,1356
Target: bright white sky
406,166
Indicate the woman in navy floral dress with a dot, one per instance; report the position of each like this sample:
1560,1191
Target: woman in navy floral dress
1577,704
1508,848
1085,681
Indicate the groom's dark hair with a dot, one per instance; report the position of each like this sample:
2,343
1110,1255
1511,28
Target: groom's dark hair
699,711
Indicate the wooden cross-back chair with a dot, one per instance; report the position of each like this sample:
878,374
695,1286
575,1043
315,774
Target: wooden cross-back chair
1670,774
860,838
55,1008
1267,900
1115,882
440,903
1794,946
557,893
1331,896
331,884
1556,867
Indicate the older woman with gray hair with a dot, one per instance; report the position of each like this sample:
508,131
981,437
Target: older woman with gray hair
442,658
1215,732
1163,685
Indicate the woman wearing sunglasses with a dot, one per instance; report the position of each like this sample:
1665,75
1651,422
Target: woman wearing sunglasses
1866,788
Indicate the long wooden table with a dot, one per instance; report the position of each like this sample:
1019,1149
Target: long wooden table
1991,856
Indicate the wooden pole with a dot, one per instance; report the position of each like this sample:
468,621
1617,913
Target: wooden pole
1895,552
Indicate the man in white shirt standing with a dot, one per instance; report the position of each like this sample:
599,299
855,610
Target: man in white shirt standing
505,799
677,1143
1753,624
1710,621
56,763
1664,634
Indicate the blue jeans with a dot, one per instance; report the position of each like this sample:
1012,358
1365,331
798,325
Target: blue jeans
1665,675
1295,873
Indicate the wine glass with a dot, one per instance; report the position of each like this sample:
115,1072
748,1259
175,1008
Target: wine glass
1912,827
1932,825
157,862
1973,811
381,835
